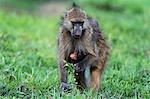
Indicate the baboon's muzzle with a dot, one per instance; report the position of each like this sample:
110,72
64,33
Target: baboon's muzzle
77,32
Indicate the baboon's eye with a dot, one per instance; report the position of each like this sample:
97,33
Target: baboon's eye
77,23
81,23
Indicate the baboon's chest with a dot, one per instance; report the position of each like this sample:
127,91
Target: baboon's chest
78,47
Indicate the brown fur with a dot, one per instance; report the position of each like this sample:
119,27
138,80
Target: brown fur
92,44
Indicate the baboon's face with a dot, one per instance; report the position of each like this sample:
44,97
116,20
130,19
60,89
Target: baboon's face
77,31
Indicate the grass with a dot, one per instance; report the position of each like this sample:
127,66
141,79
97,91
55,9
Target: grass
28,52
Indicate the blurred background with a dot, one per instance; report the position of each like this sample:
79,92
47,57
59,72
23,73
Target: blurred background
28,48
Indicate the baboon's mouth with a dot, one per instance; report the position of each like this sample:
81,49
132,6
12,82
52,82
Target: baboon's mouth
76,36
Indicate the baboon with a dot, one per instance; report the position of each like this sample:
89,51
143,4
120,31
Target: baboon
81,36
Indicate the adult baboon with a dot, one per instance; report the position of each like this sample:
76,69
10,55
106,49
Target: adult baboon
82,37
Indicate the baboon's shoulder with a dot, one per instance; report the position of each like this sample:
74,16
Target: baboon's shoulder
95,28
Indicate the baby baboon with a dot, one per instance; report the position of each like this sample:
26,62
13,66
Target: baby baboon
81,43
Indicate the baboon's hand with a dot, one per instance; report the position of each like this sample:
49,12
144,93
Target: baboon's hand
79,67
65,86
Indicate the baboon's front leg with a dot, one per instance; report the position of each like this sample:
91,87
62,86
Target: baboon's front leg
64,77
95,78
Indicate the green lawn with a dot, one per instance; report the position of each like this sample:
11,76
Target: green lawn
28,52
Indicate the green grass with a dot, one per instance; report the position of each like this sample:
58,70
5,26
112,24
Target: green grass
28,52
